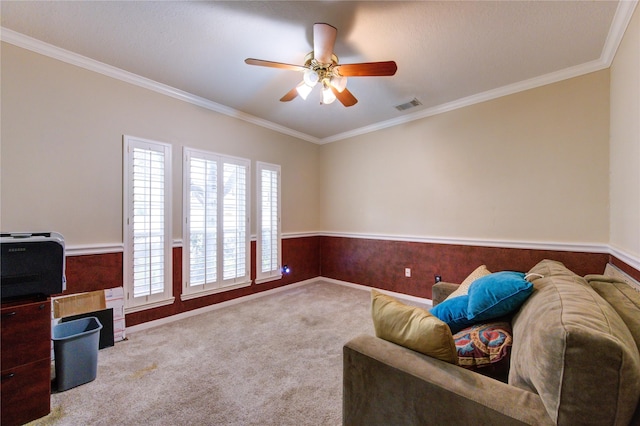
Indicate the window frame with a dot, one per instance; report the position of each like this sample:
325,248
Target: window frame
132,303
276,272
220,284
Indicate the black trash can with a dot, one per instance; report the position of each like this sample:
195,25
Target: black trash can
75,346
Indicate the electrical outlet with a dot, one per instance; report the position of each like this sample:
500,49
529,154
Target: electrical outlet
438,278
407,272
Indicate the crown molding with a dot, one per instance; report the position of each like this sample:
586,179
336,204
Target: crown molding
521,86
621,19
46,49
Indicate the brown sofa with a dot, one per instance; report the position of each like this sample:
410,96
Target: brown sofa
574,361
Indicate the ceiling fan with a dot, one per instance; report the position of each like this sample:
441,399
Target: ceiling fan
321,66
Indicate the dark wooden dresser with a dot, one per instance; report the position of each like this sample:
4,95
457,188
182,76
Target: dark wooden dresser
26,361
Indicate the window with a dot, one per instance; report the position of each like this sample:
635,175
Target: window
216,232
268,246
147,223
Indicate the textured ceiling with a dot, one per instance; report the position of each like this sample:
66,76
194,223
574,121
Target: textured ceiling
448,53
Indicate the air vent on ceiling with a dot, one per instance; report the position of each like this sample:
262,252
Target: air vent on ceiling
410,104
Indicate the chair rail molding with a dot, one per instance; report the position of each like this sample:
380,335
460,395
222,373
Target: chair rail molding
630,258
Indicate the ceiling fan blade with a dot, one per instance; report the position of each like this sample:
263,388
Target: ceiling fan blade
291,95
324,38
368,69
345,97
270,64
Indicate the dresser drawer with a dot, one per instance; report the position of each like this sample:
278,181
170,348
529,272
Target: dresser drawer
25,392
25,333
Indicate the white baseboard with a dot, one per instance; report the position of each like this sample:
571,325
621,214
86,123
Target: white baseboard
405,297
167,320
629,259
187,314
614,271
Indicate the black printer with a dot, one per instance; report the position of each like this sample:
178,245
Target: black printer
32,265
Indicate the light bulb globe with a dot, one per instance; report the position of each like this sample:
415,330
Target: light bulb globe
327,95
303,90
339,82
310,78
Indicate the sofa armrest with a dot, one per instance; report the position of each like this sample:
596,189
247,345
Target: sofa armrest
441,290
384,383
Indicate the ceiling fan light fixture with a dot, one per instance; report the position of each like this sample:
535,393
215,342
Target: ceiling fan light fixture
310,77
339,82
327,95
321,66
303,90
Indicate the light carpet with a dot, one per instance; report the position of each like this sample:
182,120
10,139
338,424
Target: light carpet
272,360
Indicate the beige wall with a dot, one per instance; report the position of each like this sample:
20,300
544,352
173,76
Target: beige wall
61,149
625,143
532,166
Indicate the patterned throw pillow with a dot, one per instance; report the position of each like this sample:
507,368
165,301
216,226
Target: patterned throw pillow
482,345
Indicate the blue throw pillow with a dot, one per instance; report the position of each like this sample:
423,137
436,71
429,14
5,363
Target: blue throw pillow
454,312
497,294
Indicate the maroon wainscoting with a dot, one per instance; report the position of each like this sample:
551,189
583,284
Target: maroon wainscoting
375,263
93,272
103,271
302,255
381,263
634,273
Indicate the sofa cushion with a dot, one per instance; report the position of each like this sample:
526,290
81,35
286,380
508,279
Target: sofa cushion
573,349
412,327
454,312
496,295
624,299
479,272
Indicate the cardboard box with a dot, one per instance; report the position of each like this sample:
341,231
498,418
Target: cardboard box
82,303
78,304
115,300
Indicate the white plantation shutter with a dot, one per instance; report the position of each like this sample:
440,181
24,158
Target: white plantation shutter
203,201
235,242
148,222
216,226
268,247
147,255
